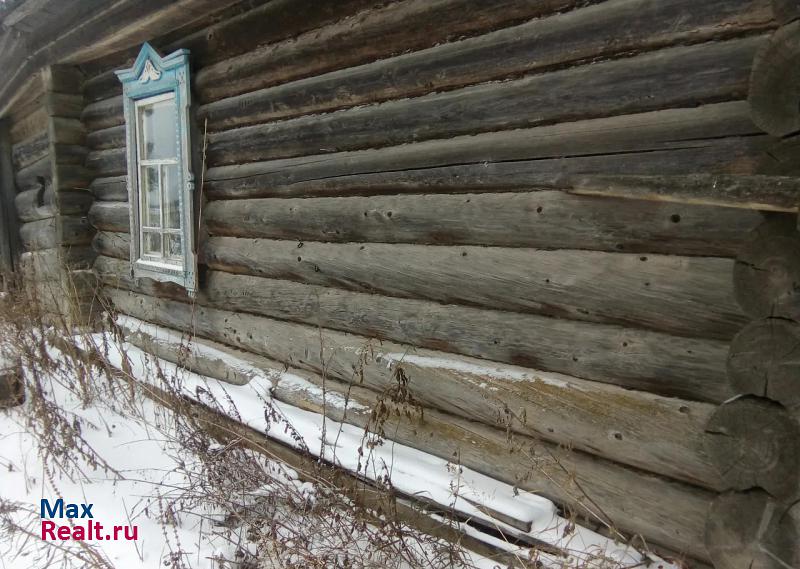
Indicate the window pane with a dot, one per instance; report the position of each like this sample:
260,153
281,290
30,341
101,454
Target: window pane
151,200
174,247
152,244
172,206
158,130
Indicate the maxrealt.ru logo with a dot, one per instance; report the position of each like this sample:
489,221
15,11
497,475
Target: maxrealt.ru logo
80,524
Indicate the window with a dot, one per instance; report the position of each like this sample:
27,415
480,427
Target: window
160,180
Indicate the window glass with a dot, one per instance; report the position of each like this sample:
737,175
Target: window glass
157,127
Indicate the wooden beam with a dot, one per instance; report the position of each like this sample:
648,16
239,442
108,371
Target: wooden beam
689,296
10,246
114,188
540,219
765,193
586,33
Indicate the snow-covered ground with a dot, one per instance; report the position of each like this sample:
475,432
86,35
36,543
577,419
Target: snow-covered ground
151,468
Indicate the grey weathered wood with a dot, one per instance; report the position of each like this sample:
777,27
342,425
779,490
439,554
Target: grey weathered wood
667,78
12,388
107,163
49,262
55,231
710,138
766,193
786,10
117,245
764,360
103,114
114,188
766,276
624,495
656,362
10,246
30,150
35,175
65,105
110,216
41,203
107,138
755,442
604,30
543,219
683,295
67,131
28,126
774,85
751,529
369,36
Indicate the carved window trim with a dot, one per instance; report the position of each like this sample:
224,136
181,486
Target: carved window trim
151,76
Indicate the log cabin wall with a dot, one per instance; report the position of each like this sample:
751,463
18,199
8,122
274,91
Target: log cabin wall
398,180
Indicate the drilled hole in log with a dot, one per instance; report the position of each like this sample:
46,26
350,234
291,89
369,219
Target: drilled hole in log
766,276
775,83
750,530
755,442
764,360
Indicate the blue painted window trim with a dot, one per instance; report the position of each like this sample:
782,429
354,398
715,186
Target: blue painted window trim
153,75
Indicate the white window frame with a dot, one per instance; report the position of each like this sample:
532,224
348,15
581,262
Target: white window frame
154,79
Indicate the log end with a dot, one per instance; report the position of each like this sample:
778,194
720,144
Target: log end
755,443
774,94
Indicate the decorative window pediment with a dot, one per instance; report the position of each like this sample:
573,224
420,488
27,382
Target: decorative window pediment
156,100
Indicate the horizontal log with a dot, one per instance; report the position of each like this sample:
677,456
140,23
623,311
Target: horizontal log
114,188
107,138
671,77
110,216
36,204
37,174
55,231
103,114
587,33
68,177
682,295
707,139
765,193
786,10
618,492
53,261
774,88
763,361
27,126
107,163
100,86
752,529
543,219
117,245
766,276
755,443
67,131
30,150
64,105
668,365
368,36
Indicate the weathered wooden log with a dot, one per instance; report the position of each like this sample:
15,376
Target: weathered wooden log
700,74
56,231
117,245
608,490
751,529
50,262
71,177
30,150
107,163
766,276
764,360
712,138
27,126
114,188
606,421
41,203
786,10
103,114
582,34
110,216
12,388
774,85
66,105
67,131
765,193
755,442
683,295
668,365
37,174
107,138
369,36
542,219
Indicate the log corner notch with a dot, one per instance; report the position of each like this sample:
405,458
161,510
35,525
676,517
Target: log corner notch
752,530
774,94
